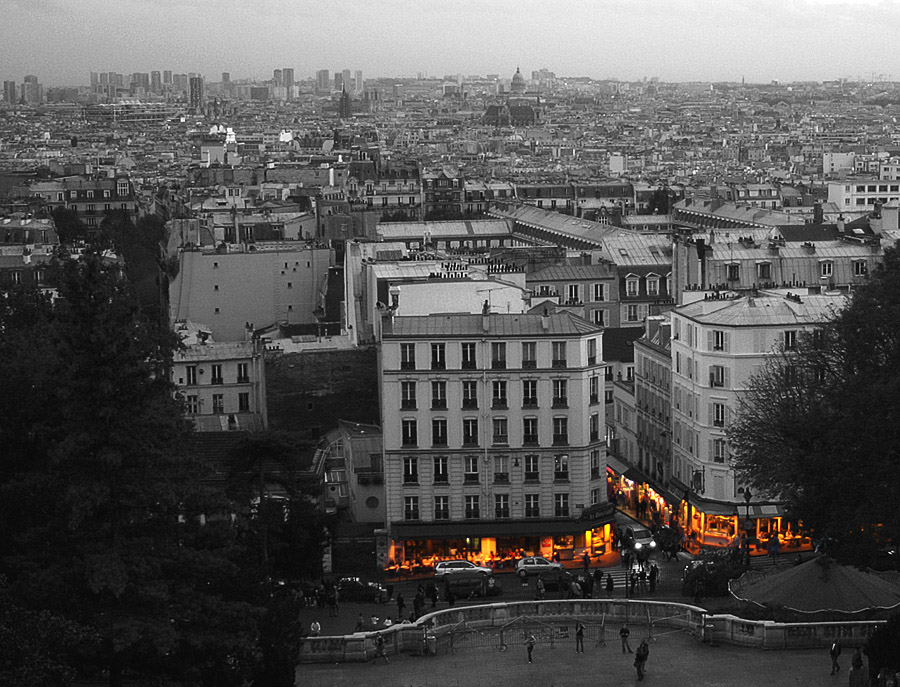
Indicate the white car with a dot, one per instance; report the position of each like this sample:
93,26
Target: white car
446,569
535,565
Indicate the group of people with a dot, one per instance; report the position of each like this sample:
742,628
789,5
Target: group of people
640,655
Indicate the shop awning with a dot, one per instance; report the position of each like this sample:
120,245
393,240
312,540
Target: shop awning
457,530
617,465
711,507
764,510
635,475
757,510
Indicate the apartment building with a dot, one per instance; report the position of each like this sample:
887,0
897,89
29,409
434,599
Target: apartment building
494,436
862,195
718,343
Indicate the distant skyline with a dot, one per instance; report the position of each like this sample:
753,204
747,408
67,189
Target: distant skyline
62,41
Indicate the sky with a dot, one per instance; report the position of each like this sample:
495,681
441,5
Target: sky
62,41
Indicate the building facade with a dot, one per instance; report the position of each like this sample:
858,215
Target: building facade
494,437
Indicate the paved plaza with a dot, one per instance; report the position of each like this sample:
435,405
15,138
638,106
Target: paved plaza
676,659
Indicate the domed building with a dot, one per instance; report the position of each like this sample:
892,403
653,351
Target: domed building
518,85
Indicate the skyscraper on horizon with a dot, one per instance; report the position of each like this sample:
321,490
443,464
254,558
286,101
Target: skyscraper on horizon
196,99
155,82
287,77
338,81
323,81
9,92
167,77
348,79
359,81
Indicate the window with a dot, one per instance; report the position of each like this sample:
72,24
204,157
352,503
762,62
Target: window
529,393
441,507
242,376
599,292
631,313
218,403
719,450
790,340
407,356
501,469
594,389
410,433
439,432
718,415
718,338
411,470
471,469
733,272
595,427
410,507
530,430
216,375
438,361
560,393
595,463
438,395
764,271
631,287
498,356
191,374
532,468
717,374
529,355
561,466
574,293
826,269
499,394
193,405
440,470
532,506
860,268
561,505
600,317
652,286
592,351
501,506
559,354
473,510
501,430
470,431
244,401
595,497
470,394
468,356
408,395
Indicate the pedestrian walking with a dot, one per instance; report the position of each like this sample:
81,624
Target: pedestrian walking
835,653
598,580
633,581
360,623
315,629
380,651
540,588
642,579
624,633
433,593
579,637
640,658
586,561
654,577
610,584
529,645
401,604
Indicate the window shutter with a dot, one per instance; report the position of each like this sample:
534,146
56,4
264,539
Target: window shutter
712,414
710,340
712,450
727,377
727,416
727,341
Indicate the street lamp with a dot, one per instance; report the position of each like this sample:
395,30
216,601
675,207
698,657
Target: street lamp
748,525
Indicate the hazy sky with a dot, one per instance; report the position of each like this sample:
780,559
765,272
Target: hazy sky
61,41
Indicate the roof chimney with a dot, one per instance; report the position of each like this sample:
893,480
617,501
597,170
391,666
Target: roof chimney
545,320
818,215
485,317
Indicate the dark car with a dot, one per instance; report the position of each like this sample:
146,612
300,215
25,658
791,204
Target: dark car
639,542
357,590
471,585
556,579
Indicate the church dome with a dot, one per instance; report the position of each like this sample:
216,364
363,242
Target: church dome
518,82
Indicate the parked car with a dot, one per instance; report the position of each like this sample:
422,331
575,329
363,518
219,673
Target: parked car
355,589
639,541
471,585
448,569
557,579
535,565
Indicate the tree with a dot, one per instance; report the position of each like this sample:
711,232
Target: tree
101,519
69,227
819,427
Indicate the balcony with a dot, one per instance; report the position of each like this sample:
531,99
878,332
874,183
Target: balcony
471,478
470,442
441,478
470,403
501,478
595,398
468,365
217,380
532,477
439,404
592,360
561,476
498,364
499,404
561,402
243,380
559,364
560,440
407,365
530,440
529,364
408,404
501,513
501,439
438,365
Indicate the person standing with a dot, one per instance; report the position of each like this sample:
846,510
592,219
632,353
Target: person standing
380,651
598,580
633,582
640,658
315,629
529,645
579,637
586,561
835,653
654,577
623,635
610,584
401,604
541,587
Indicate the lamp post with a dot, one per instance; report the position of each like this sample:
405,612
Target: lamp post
748,525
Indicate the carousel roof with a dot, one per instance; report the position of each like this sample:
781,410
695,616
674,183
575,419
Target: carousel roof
819,584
